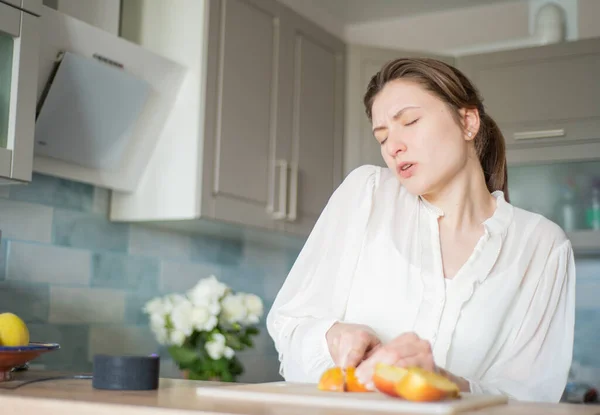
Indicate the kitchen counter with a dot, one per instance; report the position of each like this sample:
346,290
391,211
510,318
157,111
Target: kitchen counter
178,397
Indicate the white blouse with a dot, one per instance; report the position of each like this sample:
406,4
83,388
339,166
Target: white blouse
505,322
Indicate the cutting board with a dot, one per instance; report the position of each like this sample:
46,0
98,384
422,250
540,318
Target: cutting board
308,395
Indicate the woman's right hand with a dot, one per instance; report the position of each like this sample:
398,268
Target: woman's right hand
349,344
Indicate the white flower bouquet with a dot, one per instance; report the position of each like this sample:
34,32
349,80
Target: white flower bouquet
204,328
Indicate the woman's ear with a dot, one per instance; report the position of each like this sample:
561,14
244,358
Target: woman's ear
471,122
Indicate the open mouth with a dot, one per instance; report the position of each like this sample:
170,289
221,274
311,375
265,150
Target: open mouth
406,167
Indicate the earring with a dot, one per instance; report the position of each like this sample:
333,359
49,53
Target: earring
470,134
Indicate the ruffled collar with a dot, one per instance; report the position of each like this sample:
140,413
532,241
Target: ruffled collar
497,223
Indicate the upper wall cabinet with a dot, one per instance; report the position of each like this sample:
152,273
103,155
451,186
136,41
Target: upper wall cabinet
19,49
255,137
364,62
544,99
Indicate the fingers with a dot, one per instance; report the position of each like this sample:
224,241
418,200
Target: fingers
353,346
406,350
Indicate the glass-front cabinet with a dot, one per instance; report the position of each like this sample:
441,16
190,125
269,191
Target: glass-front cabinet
567,192
19,50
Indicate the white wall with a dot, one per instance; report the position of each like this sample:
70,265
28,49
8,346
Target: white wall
486,28
445,32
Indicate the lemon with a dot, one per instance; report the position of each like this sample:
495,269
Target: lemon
13,330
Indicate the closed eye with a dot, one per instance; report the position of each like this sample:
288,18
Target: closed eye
412,122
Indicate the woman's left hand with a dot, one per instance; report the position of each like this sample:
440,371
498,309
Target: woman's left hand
408,349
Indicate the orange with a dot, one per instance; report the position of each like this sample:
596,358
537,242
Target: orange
424,386
332,380
335,380
352,382
386,377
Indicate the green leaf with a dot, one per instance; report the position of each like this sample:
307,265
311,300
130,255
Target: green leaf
227,377
247,341
253,331
233,342
183,355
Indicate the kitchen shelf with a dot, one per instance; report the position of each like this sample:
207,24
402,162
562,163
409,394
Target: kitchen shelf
585,242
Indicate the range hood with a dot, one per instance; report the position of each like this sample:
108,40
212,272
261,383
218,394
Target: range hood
102,103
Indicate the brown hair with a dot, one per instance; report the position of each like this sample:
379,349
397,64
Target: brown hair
454,88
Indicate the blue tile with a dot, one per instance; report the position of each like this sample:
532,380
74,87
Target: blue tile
159,243
292,256
73,340
181,276
28,301
216,250
101,201
52,264
82,230
53,191
25,221
587,337
246,279
134,303
125,272
3,254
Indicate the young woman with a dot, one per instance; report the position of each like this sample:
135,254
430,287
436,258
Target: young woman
426,262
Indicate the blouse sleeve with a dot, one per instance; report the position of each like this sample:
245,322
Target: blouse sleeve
313,296
535,366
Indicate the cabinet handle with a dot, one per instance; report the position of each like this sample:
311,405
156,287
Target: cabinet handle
294,193
283,178
529,135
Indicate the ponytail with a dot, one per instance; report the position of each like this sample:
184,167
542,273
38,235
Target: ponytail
491,151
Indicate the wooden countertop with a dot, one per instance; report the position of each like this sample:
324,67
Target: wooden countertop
178,397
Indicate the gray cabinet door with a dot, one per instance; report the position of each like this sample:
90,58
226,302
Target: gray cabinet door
241,111
312,118
541,96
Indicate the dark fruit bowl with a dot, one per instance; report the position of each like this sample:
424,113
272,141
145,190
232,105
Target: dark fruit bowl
13,357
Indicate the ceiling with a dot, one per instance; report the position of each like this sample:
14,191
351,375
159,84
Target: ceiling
358,11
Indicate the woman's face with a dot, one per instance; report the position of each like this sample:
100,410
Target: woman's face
420,139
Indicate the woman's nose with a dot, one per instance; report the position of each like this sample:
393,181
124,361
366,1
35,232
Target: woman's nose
395,145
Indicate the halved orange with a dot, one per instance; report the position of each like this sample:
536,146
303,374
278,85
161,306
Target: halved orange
352,382
424,386
332,380
386,377
335,380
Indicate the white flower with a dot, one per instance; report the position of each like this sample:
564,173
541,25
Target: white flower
157,321
182,317
173,300
234,308
228,352
254,307
177,337
208,291
155,306
216,346
202,319
161,334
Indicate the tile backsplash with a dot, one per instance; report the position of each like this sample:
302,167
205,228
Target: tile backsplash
81,280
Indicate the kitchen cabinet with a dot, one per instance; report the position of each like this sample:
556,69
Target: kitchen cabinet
568,193
256,136
546,99
19,48
364,62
